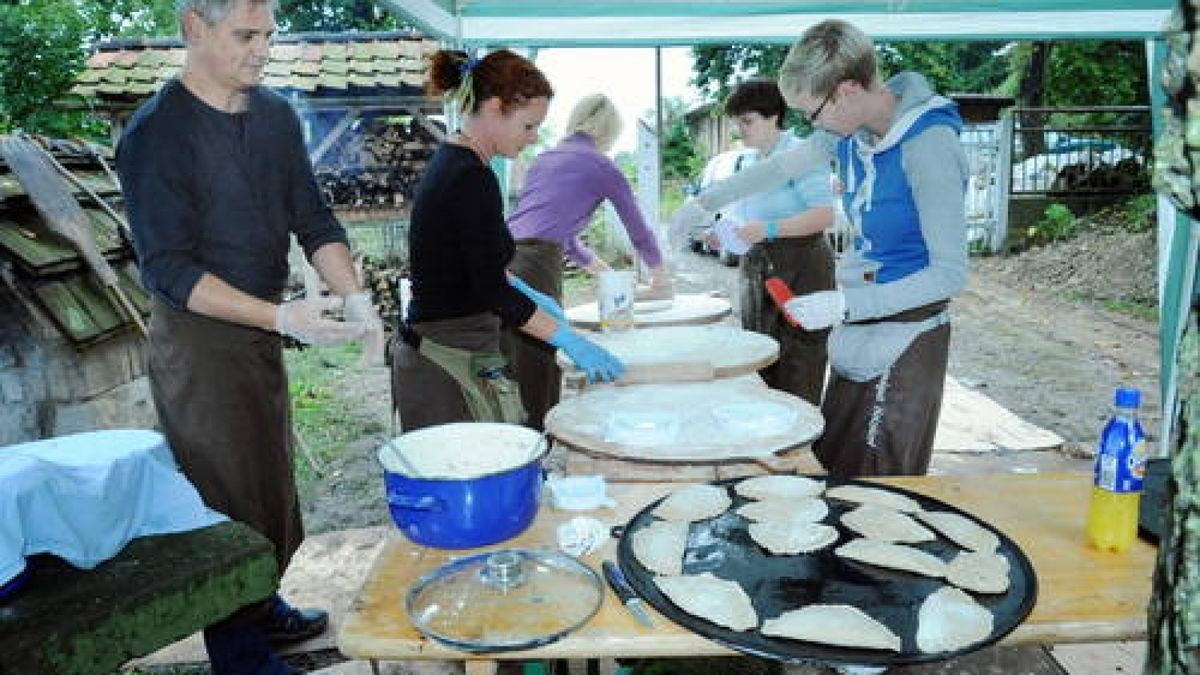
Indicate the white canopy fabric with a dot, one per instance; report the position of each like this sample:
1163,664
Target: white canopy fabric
578,23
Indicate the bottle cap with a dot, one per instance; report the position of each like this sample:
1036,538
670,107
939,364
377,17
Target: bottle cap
1128,398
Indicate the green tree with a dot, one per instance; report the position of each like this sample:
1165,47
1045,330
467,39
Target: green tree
333,16
679,157
41,48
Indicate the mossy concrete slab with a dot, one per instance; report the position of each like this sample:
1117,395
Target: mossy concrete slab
159,589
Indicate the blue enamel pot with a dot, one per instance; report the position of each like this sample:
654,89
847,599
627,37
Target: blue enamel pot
464,485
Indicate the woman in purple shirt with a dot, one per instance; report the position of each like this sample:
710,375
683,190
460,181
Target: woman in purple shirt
563,188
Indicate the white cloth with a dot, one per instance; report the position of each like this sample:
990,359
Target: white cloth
83,497
815,311
727,234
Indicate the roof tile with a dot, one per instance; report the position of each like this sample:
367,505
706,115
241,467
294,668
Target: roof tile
304,63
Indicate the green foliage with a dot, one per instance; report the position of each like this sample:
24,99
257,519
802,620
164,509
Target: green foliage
680,159
1057,223
324,421
1090,72
972,67
41,49
334,16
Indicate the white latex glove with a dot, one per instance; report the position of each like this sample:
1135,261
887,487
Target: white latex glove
818,310
691,214
729,236
360,309
304,320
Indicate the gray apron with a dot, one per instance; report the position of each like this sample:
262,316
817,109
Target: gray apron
806,265
540,264
221,394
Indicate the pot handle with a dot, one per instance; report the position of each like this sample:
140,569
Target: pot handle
415,502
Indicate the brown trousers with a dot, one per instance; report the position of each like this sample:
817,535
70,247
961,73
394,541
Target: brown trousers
540,264
422,391
806,265
222,399
885,427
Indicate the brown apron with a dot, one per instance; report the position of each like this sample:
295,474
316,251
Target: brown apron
222,399
885,426
540,264
806,265
425,393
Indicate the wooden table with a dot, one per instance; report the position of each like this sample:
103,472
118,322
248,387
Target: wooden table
1084,595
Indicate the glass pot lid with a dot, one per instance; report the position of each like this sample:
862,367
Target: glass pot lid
503,600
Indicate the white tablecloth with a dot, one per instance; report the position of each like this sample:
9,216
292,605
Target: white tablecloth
83,497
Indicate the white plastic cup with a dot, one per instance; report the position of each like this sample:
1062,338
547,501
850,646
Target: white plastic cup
614,299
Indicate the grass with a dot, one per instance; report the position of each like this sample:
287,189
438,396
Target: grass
1144,312
324,421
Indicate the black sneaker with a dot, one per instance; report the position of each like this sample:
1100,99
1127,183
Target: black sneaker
288,624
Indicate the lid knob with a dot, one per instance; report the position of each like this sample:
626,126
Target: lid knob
503,570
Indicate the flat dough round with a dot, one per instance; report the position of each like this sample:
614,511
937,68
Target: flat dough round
730,350
893,556
660,546
783,537
585,421
961,530
694,502
868,495
709,597
842,625
688,309
883,524
807,510
950,620
982,572
779,487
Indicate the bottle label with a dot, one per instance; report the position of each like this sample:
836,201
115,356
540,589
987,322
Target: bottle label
1121,470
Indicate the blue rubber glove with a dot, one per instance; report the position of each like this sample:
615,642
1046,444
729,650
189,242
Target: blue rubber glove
548,304
591,358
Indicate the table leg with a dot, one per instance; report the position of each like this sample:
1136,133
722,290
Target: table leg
374,667
482,667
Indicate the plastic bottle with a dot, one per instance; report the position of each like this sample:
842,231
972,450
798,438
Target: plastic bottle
1117,480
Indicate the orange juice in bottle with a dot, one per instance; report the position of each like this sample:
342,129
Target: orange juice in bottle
1117,479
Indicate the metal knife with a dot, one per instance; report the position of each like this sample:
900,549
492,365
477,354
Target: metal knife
620,585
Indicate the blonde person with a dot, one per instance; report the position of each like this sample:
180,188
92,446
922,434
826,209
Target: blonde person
563,188
784,229
447,366
904,172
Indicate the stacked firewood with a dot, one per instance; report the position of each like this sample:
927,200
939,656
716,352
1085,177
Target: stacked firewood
377,167
382,278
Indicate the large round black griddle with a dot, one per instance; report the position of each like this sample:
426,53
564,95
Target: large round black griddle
776,584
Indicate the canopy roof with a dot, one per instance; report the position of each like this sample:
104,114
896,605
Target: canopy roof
577,23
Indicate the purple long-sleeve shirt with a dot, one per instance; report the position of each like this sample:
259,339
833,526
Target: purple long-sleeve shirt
562,189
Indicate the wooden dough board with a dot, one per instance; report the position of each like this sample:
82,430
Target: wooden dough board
687,310
588,421
684,353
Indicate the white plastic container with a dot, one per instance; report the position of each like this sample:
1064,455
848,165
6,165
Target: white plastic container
614,299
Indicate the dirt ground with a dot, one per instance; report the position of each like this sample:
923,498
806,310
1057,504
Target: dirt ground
1035,332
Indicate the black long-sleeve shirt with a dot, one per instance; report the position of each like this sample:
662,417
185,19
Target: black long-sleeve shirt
209,191
459,245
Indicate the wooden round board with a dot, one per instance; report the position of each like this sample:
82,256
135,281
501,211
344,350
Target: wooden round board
686,310
718,420
730,350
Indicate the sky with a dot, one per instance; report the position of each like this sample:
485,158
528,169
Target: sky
626,75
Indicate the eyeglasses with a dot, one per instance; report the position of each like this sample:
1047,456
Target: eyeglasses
812,119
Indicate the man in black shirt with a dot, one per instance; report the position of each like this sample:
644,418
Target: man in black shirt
216,179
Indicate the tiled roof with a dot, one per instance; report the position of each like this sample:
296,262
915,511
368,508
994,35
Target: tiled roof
315,63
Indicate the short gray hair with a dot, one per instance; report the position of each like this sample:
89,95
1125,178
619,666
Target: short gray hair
212,11
596,116
826,55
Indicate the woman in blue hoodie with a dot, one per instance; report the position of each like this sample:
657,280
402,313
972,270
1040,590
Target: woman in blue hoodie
903,174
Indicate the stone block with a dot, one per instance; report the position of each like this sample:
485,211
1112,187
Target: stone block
125,406
12,386
158,589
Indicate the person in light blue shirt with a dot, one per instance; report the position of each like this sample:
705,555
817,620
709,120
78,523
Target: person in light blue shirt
784,227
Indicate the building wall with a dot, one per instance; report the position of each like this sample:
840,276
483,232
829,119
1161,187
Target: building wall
49,388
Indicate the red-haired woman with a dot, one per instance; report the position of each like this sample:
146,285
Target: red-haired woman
447,366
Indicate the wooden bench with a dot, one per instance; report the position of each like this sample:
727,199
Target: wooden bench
157,590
